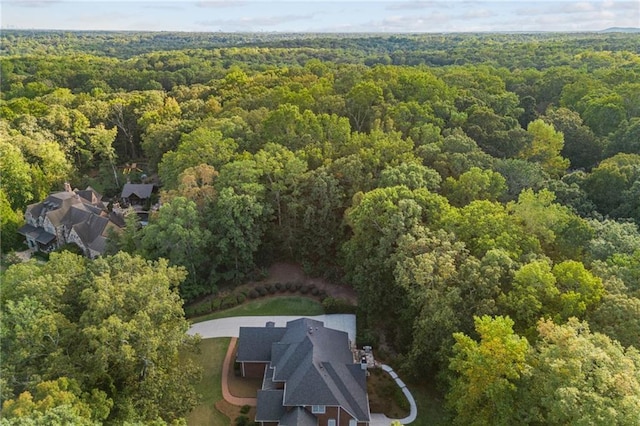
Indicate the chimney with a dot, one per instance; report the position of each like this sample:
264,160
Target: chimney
67,187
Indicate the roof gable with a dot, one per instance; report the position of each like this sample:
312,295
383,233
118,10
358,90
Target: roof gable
298,417
140,190
254,343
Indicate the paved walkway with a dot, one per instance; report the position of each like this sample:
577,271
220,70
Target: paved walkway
230,327
225,379
413,412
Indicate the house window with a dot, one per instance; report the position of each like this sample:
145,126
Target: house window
331,422
352,422
318,409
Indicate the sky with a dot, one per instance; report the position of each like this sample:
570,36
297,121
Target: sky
390,16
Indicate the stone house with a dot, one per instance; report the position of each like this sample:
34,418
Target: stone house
70,216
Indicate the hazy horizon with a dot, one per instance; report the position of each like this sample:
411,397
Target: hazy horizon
313,16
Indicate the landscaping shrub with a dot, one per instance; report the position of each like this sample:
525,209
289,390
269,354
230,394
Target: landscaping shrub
245,409
288,286
228,302
200,309
273,290
253,294
261,290
298,285
323,294
367,337
242,420
315,291
215,304
279,286
240,298
304,289
268,286
334,305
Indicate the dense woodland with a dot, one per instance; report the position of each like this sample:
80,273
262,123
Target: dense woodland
481,193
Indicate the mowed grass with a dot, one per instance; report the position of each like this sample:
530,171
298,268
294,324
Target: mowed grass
278,305
212,352
210,359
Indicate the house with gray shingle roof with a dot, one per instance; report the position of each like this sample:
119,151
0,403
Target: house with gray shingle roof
70,216
309,375
137,193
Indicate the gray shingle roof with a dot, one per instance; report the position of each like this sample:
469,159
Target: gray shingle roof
38,234
140,190
298,417
254,343
317,367
269,406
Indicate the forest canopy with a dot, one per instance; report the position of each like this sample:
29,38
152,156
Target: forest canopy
481,193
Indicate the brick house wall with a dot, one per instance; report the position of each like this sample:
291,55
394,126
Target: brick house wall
253,370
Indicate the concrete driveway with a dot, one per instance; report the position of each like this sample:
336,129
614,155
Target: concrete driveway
230,327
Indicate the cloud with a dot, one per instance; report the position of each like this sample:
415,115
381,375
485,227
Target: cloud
220,3
577,7
417,5
165,6
408,23
255,22
32,3
478,14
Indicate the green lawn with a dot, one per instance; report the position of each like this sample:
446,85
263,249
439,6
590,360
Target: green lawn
210,358
279,305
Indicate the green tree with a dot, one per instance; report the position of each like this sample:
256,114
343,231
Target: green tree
115,326
561,233
410,174
175,233
581,291
545,148
51,399
534,294
319,209
484,388
475,184
520,174
377,219
202,146
484,225
10,221
581,147
579,377
281,170
16,176
621,172
237,224
360,105
455,154
438,287
618,316
613,238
